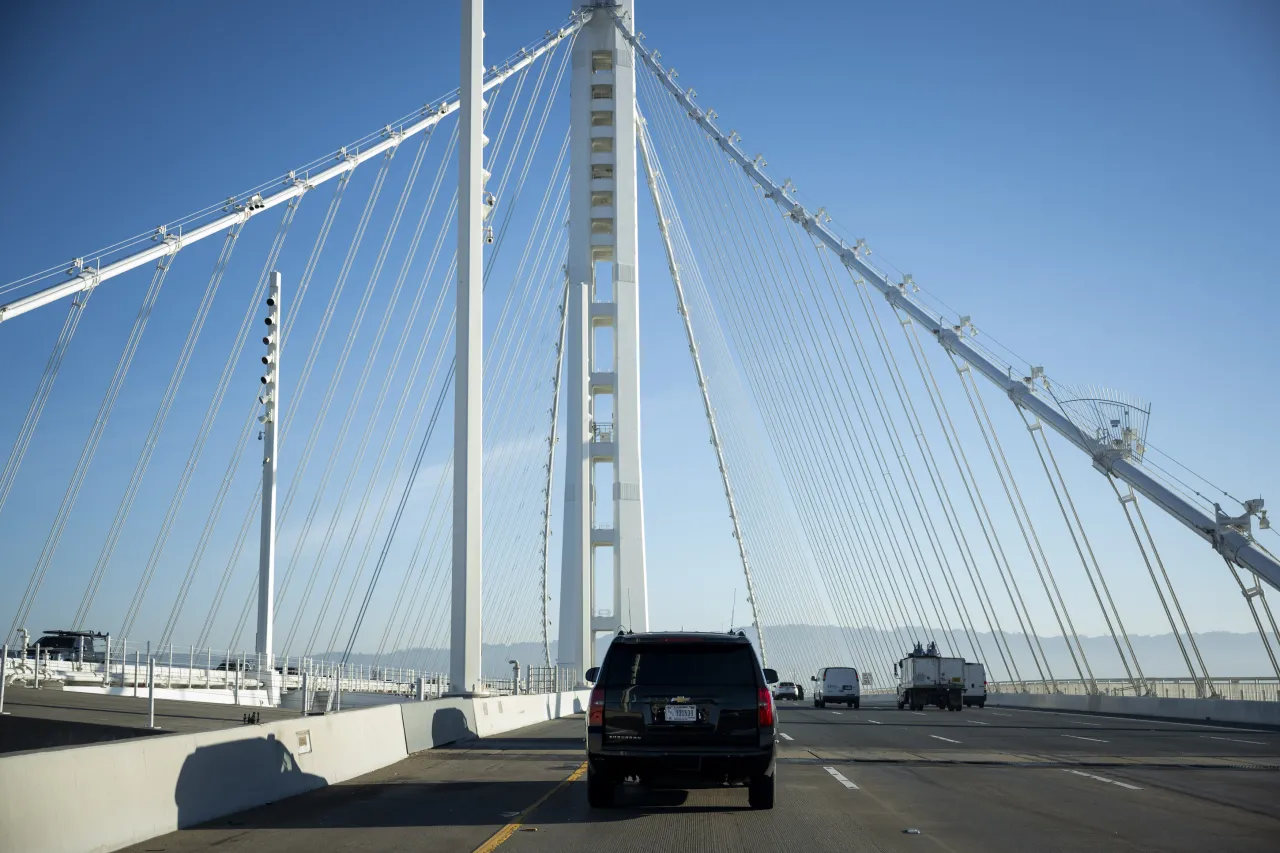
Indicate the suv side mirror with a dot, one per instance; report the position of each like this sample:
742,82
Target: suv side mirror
813,678
771,676
593,674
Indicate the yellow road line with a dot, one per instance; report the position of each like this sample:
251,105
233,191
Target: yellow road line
503,834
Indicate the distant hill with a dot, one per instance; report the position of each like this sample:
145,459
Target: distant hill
802,647
797,651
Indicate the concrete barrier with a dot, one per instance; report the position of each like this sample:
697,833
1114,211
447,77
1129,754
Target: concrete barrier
443,721
128,791
1234,711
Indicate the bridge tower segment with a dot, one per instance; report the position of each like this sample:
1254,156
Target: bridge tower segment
602,380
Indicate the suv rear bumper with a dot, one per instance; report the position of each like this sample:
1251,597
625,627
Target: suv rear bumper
657,764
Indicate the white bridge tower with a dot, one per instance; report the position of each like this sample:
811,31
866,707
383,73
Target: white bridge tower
602,379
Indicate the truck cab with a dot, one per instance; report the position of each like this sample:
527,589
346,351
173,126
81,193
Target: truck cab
838,684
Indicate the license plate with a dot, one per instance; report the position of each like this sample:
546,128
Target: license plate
681,714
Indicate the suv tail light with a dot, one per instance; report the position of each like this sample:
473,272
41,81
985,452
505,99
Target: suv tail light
595,709
764,707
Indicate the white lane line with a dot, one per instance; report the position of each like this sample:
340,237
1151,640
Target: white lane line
837,713
787,736
1094,739
839,777
877,722
947,739
917,713
1139,721
1083,723
998,714
1108,781
1234,740
978,722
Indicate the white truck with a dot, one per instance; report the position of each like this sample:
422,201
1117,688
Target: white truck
975,685
925,677
836,684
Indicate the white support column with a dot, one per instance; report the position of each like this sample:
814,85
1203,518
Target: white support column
631,593
602,235
464,646
575,565
270,398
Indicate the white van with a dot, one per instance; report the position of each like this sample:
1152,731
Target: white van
836,684
975,685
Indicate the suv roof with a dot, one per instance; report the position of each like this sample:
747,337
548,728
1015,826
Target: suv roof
682,636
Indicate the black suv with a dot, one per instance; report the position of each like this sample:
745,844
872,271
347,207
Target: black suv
684,709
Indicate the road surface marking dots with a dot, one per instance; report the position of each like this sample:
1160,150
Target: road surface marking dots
495,841
1094,739
947,739
840,778
787,736
1108,781
1235,740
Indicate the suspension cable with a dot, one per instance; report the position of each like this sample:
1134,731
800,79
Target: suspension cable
90,448
157,426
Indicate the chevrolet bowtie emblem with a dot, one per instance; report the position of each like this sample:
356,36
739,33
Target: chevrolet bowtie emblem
679,699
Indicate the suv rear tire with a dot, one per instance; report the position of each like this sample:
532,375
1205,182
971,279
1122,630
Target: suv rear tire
760,792
599,791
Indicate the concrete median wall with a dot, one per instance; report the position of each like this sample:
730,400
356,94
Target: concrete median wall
1235,711
128,791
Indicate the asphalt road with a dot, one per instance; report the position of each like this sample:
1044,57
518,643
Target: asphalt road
980,780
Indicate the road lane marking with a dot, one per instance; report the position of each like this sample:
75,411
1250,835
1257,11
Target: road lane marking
1234,740
947,739
1141,720
837,713
1083,723
1094,739
998,714
1102,779
787,736
495,841
877,722
978,722
839,777
917,713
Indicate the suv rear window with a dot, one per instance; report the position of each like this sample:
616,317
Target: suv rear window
680,665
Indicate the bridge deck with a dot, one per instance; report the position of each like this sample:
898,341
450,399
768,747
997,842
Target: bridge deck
37,719
982,780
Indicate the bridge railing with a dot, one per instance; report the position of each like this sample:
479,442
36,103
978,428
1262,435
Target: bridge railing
223,675
1242,688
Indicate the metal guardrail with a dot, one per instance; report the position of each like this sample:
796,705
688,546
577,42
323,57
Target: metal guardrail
228,676
1253,689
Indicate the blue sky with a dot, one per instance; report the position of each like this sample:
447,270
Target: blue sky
1095,184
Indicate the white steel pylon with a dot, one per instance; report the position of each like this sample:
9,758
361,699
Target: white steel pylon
468,388
602,381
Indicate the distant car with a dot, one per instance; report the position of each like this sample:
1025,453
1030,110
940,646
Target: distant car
837,684
682,709
786,690
231,666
